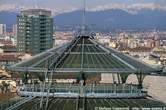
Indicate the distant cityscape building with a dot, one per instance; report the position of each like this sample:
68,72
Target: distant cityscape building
34,31
9,59
163,43
15,29
62,37
2,29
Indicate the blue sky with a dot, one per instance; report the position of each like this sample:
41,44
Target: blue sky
69,5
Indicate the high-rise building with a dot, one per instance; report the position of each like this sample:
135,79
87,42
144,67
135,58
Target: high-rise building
15,29
34,31
2,29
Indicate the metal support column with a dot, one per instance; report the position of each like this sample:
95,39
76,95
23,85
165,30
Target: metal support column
140,78
118,75
124,77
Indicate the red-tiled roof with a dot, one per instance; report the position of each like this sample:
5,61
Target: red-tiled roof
6,42
9,46
137,49
9,57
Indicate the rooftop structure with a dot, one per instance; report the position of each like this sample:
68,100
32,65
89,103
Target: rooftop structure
36,12
84,54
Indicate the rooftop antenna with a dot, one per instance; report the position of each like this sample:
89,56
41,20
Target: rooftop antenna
83,17
36,4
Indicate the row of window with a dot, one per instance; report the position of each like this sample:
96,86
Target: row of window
23,19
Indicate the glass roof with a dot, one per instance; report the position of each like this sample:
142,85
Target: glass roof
83,54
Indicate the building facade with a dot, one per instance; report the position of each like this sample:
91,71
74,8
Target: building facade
34,31
2,29
15,29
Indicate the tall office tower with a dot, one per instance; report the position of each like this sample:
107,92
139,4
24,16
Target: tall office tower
34,31
2,29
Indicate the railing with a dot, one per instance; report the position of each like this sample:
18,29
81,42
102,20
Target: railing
101,90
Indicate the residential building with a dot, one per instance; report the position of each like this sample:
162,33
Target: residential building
34,31
2,29
15,29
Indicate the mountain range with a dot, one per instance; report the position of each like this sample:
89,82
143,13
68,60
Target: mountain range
114,18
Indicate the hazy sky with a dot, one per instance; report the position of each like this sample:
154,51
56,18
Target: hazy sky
77,2
58,6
